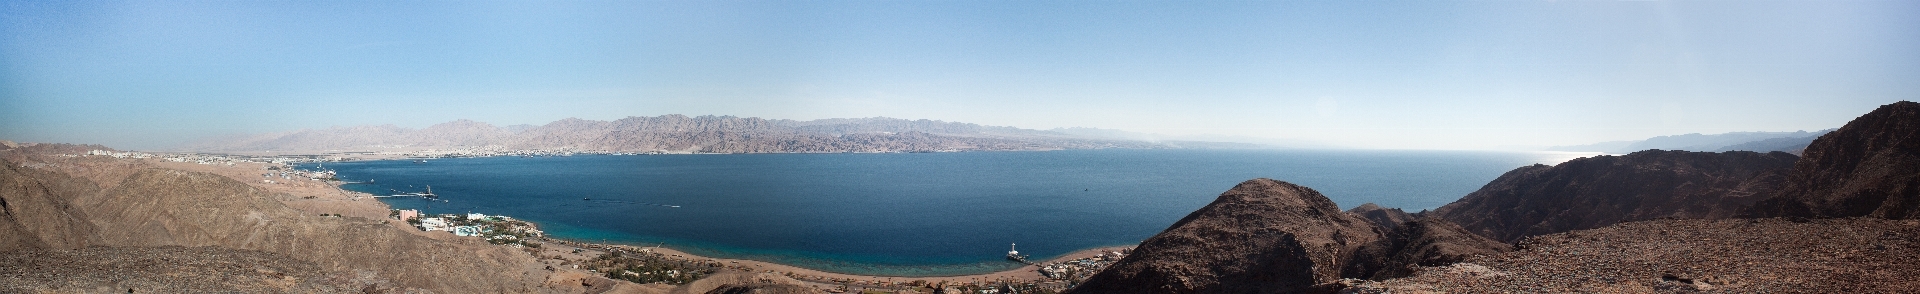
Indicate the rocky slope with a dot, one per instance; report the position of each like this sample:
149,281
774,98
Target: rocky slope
51,210
158,207
36,209
1870,167
1262,236
1598,191
1423,242
1775,255
170,269
678,133
64,233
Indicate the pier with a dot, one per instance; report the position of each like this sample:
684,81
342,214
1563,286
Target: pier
1013,253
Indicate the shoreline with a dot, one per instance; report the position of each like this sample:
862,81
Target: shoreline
1024,274
682,254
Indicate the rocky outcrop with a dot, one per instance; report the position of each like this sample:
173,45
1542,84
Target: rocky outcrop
1870,168
1262,236
1425,242
1386,218
1597,191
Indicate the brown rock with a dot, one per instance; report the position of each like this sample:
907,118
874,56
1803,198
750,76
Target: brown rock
1870,167
1263,236
36,210
1426,242
171,269
158,207
1774,255
1386,218
1597,191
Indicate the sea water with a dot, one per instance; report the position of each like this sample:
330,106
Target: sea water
905,214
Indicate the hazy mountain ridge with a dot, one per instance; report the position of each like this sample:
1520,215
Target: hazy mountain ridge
679,133
1790,142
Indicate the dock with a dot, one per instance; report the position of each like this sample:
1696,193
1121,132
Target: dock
1013,253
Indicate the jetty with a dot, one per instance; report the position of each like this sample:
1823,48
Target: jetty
1013,253
428,194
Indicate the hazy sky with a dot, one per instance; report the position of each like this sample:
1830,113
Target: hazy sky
1375,74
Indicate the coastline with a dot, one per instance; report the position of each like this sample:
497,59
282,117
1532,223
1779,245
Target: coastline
1025,274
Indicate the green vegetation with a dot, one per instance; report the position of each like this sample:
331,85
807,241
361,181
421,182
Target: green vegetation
649,268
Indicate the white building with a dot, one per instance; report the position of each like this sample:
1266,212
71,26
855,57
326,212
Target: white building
434,224
466,231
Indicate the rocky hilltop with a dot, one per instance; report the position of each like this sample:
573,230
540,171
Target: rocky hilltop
1650,221
1870,168
1598,191
679,133
1262,236
1268,236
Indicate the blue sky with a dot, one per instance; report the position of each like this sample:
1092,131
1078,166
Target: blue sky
1371,74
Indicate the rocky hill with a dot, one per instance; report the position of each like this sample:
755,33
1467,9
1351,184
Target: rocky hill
1598,191
1267,236
1262,236
1414,244
50,210
1870,168
168,207
678,133
36,209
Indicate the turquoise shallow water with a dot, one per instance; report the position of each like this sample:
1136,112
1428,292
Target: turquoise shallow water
907,214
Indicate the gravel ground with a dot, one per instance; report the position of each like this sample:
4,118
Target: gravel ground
1777,255
170,269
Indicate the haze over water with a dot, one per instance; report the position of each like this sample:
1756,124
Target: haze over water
907,214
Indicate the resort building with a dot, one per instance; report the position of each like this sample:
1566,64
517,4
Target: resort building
434,224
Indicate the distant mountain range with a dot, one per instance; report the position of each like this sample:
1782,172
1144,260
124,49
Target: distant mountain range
1790,142
701,134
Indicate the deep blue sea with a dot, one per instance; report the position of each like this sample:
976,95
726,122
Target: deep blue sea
906,214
